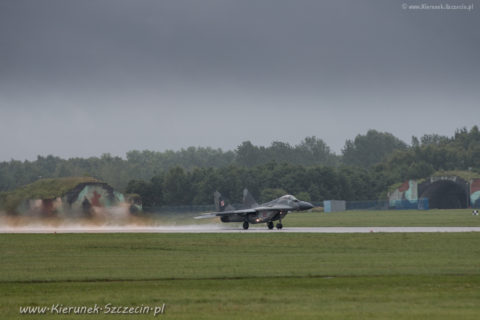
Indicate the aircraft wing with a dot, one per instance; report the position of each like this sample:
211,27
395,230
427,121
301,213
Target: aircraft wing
206,216
243,211
273,208
226,213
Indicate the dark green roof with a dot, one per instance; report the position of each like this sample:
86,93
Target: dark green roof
51,188
465,175
43,189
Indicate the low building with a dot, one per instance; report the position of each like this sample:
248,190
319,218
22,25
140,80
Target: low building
444,190
65,196
334,205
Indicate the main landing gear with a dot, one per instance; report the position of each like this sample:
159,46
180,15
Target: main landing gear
270,225
279,224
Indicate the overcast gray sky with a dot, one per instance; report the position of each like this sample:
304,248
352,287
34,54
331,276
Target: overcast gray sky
82,78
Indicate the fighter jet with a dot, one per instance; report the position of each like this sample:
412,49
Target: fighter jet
252,212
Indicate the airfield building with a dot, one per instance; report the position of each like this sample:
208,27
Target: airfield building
65,196
444,190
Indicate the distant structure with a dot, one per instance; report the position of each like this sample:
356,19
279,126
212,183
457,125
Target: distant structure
74,196
444,190
334,205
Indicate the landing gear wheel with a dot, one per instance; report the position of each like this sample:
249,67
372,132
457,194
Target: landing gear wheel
270,225
245,225
279,226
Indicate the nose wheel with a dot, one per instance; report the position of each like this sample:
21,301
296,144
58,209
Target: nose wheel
270,225
245,225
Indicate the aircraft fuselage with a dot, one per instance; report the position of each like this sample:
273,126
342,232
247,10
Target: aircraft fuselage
254,218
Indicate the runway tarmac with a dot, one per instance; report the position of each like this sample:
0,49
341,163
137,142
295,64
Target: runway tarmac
225,229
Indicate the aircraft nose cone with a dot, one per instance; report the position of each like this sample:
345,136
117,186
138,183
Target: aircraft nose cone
304,205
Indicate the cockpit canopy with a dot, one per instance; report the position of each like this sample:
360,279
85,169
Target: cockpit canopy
289,197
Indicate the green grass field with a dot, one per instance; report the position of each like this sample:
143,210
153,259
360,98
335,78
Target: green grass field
245,276
386,218
381,218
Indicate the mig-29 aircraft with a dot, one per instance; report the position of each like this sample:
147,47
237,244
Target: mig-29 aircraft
252,212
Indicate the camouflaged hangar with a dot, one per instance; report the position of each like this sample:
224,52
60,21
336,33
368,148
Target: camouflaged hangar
73,196
444,190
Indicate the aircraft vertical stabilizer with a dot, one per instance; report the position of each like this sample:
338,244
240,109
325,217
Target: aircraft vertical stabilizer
248,200
220,203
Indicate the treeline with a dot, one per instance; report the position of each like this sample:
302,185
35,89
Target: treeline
145,164
311,151
432,153
366,167
178,186
370,164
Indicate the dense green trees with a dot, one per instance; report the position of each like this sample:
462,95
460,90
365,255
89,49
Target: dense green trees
435,153
143,165
368,165
265,182
372,148
311,151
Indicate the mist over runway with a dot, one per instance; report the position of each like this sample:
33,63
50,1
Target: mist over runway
214,228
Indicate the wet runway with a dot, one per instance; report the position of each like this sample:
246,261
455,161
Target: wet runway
225,229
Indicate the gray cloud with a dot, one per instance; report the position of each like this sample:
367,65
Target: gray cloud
79,78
